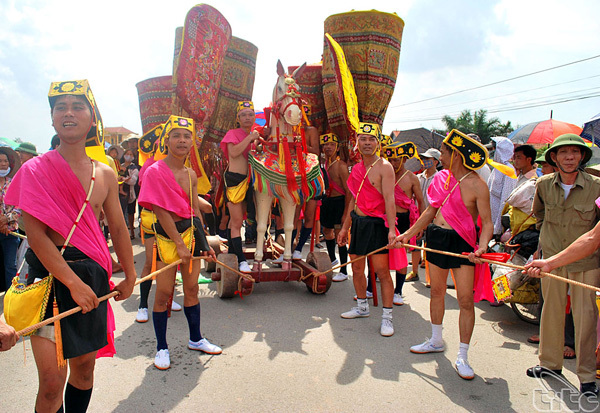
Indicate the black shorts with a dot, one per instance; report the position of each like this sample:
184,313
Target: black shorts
332,211
402,221
81,333
201,243
367,234
448,240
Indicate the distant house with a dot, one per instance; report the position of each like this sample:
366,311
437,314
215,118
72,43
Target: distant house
422,138
115,136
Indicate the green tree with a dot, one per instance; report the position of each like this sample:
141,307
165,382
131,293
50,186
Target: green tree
477,123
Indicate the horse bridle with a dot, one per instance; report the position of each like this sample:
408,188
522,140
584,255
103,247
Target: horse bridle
292,93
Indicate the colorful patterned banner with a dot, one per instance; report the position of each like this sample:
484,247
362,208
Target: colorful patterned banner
371,43
206,36
155,96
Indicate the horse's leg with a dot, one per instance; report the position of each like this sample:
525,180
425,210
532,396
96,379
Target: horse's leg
263,209
288,208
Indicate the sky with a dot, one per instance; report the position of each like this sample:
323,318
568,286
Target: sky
447,47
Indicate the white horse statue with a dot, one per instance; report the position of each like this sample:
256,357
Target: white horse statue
283,168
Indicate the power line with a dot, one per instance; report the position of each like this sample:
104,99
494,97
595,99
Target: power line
497,82
548,99
504,109
500,96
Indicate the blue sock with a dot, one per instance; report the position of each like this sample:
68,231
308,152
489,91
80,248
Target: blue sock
304,234
400,278
159,319
192,313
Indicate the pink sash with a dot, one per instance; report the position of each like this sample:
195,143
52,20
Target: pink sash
403,201
371,203
456,214
47,189
164,191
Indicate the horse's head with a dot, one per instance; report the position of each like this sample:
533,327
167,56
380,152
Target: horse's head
286,95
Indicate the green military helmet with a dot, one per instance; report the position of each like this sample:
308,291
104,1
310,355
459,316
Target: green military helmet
568,139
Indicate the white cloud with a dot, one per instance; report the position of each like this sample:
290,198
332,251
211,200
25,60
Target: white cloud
116,44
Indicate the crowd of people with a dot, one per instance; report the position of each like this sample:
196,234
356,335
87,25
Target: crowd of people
456,203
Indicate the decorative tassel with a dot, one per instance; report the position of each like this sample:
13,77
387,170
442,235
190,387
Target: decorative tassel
193,248
58,338
154,252
289,171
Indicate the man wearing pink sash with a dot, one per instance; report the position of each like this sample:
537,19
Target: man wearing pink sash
173,197
455,206
335,204
406,190
239,193
373,219
51,190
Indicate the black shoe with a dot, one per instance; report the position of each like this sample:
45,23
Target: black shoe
589,389
537,371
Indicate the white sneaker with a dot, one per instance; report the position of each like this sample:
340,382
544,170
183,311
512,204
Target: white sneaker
340,276
175,306
279,260
398,299
244,267
205,346
387,327
356,312
162,361
369,296
427,347
335,262
463,369
142,315
297,255
221,239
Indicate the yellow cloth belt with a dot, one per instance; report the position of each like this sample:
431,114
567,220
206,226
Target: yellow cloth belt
236,194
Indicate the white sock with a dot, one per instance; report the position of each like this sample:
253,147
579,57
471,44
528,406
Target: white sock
387,313
462,351
436,334
363,304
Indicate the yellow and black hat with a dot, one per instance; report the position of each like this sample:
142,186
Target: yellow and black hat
149,139
175,122
328,137
400,149
385,140
244,104
95,136
473,153
307,110
371,129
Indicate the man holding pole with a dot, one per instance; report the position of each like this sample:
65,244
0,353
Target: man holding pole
373,220
565,210
173,198
458,193
51,192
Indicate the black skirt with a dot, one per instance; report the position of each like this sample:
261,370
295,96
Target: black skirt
81,333
367,234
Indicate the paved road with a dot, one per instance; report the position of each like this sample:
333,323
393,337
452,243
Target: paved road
288,350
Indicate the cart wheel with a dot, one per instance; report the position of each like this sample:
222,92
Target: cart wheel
213,241
228,284
320,261
527,312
